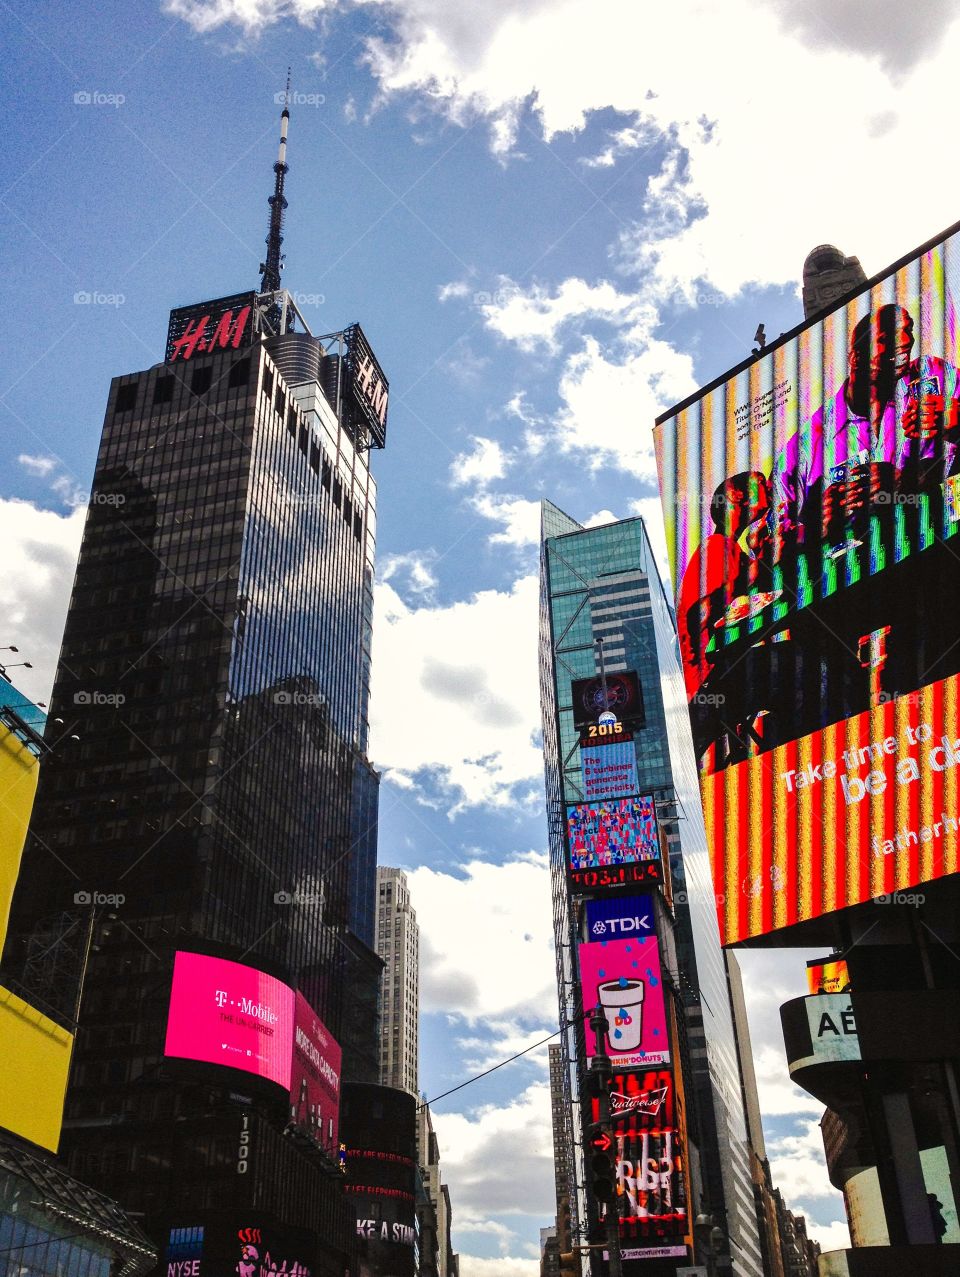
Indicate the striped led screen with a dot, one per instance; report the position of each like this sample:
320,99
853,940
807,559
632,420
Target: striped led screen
812,507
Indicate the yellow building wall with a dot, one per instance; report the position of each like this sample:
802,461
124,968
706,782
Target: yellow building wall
34,1051
34,1066
19,772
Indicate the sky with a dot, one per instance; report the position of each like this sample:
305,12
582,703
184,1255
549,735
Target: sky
554,220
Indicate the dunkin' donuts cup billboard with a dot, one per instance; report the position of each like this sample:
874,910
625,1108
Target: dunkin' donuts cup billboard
624,977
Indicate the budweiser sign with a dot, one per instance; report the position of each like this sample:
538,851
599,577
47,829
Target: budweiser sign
649,1102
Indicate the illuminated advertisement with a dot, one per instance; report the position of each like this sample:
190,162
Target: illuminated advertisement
252,1250
828,975
608,770
617,831
619,917
379,1127
595,700
367,390
646,1117
624,977
314,1077
226,1013
812,508
226,323
33,1071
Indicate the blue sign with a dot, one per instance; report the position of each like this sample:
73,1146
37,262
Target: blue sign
619,918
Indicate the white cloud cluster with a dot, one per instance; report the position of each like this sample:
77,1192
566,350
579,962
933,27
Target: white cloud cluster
40,549
484,462
469,913
455,693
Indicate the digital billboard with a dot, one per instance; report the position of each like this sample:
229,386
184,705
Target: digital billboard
608,770
314,1077
812,509
33,1071
647,1125
624,977
617,694
616,831
619,917
226,1013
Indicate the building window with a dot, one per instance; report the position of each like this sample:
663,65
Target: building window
163,389
126,397
201,380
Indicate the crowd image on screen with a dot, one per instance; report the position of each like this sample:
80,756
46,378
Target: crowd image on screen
615,832
831,584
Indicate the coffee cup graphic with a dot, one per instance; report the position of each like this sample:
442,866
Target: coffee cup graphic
622,1002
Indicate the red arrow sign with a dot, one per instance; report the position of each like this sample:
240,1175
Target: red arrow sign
602,1142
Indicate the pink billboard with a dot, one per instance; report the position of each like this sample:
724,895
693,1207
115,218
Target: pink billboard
623,976
226,1013
315,1077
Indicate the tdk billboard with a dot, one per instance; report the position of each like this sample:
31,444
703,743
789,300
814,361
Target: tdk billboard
619,918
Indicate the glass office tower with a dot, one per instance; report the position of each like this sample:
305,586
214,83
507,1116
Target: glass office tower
217,799
602,584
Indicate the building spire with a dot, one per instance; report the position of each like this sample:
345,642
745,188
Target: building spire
273,265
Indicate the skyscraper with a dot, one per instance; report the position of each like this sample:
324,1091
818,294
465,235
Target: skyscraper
398,944
605,623
203,829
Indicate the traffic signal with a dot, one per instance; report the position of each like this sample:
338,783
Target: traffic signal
601,1152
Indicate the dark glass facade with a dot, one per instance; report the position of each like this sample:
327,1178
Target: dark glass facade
602,583
215,669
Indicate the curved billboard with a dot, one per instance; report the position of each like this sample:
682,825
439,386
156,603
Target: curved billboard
812,508
226,1013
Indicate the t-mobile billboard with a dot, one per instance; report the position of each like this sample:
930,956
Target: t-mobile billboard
224,1012
315,1077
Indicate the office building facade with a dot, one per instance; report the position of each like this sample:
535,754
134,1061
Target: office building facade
201,832
398,944
604,617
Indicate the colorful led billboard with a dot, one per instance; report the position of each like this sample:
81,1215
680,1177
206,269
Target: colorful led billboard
812,507
227,1013
624,977
647,1124
608,770
595,699
315,1077
617,831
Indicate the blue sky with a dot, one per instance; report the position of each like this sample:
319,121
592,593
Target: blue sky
553,221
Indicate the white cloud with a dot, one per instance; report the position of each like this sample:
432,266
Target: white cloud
609,403
40,549
729,127
832,1236
414,571
798,1167
455,693
520,518
475,1147
504,1266
485,462
464,916
534,317
38,466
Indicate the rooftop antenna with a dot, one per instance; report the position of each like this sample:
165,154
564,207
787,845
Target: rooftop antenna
271,268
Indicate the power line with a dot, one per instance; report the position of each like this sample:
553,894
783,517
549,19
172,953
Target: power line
486,1073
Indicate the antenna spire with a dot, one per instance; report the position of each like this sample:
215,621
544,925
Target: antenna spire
272,266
